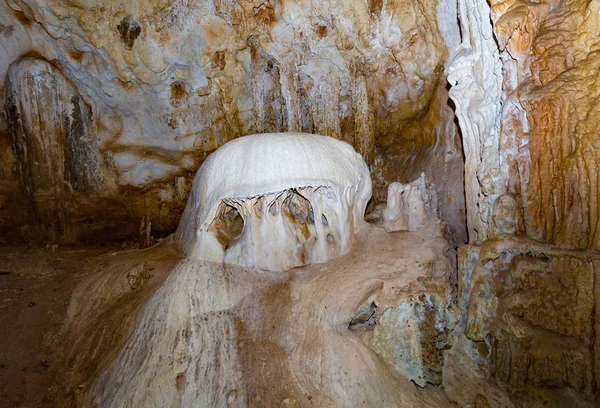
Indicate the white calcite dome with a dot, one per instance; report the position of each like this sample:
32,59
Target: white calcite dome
301,198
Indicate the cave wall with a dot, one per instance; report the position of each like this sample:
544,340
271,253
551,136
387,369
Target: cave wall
53,141
525,86
109,109
166,83
553,124
526,91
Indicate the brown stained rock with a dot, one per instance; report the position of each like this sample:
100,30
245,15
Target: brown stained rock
230,336
23,16
53,138
58,186
179,93
413,335
531,169
6,30
533,172
205,90
58,183
145,239
85,353
269,103
371,75
541,146
506,216
535,304
227,226
129,30
481,402
219,59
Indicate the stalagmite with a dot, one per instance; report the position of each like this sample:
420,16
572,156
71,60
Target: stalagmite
410,207
276,201
258,206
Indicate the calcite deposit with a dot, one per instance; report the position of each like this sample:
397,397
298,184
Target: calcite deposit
553,158
242,330
166,83
531,297
410,207
298,199
534,307
55,145
534,135
214,334
473,125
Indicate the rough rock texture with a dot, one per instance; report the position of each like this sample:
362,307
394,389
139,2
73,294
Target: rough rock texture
55,146
534,305
356,318
525,87
413,334
108,108
475,76
553,124
527,101
411,206
168,83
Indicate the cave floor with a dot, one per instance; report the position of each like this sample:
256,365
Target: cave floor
36,286
35,290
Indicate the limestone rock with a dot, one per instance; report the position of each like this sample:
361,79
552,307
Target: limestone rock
535,306
475,76
556,89
209,333
168,84
201,335
526,98
413,335
54,142
506,216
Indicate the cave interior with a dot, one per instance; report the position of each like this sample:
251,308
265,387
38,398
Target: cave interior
299,203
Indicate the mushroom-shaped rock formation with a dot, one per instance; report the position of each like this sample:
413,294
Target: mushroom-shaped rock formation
276,201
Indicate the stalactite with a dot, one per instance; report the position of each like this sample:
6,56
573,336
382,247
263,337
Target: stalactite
475,76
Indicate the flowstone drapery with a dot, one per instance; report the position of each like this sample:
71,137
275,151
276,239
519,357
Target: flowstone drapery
233,324
276,201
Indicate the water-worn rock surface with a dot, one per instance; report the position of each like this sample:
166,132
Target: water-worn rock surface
530,129
524,84
534,306
225,335
109,108
163,85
